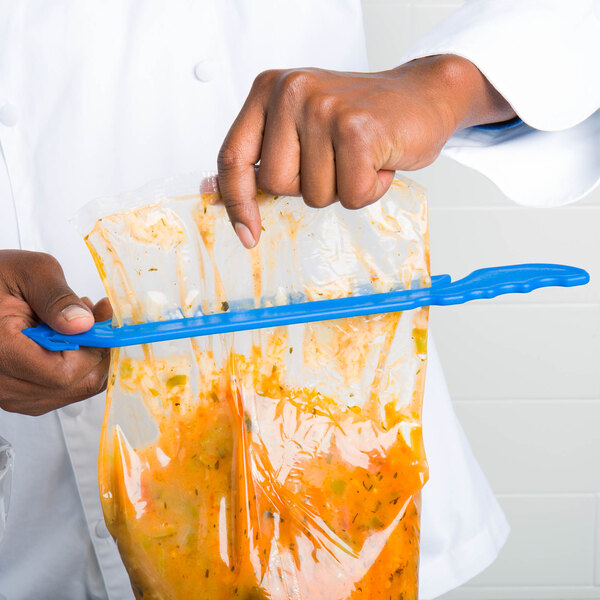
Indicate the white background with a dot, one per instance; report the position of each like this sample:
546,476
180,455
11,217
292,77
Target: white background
524,370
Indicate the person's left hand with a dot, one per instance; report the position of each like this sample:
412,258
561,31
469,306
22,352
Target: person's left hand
340,136
33,380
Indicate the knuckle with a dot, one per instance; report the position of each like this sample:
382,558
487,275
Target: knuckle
269,181
351,201
315,201
355,124
295,82
7,331
34,263
320,107
59,299
239,210
7,404
356,197
42,260
17,406
229,158
238,206
64,377
317,193
92,384
13,407
17,266
35,410
265,79
278,182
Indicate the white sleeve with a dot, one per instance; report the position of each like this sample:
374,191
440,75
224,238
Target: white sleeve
542,56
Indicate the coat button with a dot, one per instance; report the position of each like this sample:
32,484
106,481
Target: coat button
9,115
73,410
205,70
101,530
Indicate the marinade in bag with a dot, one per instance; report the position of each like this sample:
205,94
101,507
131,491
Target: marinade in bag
281,463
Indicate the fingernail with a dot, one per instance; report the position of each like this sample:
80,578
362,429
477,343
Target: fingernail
245,236
75,312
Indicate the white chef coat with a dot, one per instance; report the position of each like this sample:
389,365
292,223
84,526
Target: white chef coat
542,57
97,98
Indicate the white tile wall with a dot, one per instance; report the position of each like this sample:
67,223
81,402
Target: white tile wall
519,351
428,14
465,238
535,446
388,26
534,592
392,25
532,555
524,371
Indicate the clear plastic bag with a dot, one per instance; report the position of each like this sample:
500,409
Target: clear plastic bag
282,463
6,467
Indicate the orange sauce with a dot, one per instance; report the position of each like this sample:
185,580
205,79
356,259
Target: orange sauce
203,512
255,486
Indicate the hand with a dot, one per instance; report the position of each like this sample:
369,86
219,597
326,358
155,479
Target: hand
340,136
33,380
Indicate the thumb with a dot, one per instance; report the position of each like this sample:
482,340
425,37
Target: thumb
236,162
45,289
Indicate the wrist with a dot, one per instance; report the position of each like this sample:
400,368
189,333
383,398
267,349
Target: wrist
470,98
458,89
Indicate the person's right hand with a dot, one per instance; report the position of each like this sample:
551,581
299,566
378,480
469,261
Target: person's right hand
34,381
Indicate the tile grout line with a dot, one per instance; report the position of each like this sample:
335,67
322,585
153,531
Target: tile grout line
510,208
572,586
525,304
595,574
503,399
542,495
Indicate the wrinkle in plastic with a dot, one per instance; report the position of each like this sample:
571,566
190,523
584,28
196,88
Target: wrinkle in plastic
282,463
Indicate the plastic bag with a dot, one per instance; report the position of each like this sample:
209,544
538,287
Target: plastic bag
281,463
6,467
